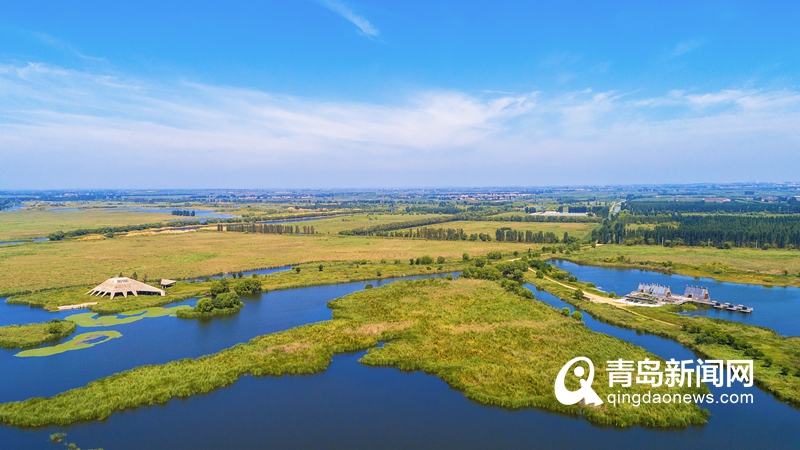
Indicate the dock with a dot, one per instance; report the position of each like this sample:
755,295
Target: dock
79,306
658,295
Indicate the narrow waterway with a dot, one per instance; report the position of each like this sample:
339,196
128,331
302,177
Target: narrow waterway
775,307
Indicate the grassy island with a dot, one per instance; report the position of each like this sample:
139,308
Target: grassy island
494,345
222,305
33,334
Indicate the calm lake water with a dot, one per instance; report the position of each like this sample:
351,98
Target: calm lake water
44,239
247,273
774,307
354,406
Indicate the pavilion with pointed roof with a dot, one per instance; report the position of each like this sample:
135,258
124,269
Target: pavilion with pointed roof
124,286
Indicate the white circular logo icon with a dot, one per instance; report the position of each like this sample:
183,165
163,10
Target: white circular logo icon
585,393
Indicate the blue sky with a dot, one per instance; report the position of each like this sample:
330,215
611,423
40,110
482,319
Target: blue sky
356,94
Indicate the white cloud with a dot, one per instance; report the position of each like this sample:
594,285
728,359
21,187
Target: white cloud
685,47
365,27
63,128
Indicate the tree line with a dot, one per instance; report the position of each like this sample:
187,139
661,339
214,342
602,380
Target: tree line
383,229
59,235
183,212
715,230
506,234
529,218
439,234
649,208
267,228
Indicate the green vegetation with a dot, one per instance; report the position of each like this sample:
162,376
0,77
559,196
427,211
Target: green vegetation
655,207
33,334
459,330
711,338
439,234
79,342
267,228
248,286
721,231
224,303
385,228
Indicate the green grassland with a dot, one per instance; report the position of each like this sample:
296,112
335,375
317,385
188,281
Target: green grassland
693,332
33,334
35,222
494,346
49,265
741,265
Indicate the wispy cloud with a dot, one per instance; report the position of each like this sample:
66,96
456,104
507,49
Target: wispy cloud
60,45
75,123
364,26
685,47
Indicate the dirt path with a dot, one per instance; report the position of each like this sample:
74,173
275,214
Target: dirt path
79,306
594,298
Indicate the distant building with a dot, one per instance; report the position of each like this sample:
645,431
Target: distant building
167,283
696,292
716,200
124,286
655,290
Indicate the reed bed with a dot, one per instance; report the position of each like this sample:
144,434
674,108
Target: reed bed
33,334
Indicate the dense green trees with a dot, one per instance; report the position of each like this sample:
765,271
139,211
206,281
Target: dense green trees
650,207
506,234
269,228
247,286
221,303
509,274
224,301
722,231
384,229
56,236
439,234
